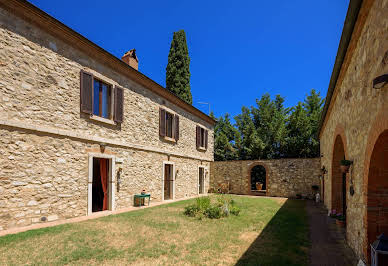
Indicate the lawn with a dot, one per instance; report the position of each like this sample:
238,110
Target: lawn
268,231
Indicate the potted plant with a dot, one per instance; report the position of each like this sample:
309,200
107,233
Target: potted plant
340,220
259,186
345,165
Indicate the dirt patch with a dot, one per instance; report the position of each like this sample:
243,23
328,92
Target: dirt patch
249,236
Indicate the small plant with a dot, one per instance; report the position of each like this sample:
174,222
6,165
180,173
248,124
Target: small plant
234,210
340,217
222,206
191,210
346,162
213,212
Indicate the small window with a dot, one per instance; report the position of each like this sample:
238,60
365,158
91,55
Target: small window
102,98
201,138
168,125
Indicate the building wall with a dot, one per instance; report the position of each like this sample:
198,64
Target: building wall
46,141
359,115
285,177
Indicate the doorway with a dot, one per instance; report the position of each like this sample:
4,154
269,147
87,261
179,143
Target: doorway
101,182
168,182
201,180
100,185
258,179
338,181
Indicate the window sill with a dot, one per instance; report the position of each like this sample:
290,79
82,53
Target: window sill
202,148
169,139
102,120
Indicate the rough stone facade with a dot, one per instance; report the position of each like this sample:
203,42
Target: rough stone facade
46,142
284,177
358,115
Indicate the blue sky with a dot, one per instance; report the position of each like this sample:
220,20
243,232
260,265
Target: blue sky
239,50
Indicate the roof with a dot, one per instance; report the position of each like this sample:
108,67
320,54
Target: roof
34,15
354,22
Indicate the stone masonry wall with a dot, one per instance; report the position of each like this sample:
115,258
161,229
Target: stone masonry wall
45,141
285,177
359,115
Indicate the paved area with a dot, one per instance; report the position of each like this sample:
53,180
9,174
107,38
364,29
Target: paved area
83,218
327,239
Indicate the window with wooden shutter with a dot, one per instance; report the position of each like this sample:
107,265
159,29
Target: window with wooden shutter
86,92
162,122
176,127
100,100
119,105
201,138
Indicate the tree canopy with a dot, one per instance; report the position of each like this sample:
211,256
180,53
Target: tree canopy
270,131
178,68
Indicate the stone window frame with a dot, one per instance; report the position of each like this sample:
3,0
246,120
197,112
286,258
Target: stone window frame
205,169
111,181
173,177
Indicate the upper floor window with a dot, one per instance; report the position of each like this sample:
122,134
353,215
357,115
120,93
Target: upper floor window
168,125
101,99
201,138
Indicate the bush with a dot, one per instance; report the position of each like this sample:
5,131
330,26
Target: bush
222,206
203,203
213,212
191,210
234,210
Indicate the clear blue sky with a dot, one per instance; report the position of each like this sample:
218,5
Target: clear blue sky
239,50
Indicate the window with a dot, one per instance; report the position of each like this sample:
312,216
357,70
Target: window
101,99
168,125
201,138
102,94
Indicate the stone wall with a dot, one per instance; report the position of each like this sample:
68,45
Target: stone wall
358,115
46,143
285,177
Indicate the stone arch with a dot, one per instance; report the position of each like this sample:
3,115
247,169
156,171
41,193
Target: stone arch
375,179
338,179
266,177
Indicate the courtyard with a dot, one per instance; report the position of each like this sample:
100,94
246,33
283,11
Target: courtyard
268,231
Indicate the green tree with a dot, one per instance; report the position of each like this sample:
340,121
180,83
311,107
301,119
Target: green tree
269,118
226,139
251,144
178,68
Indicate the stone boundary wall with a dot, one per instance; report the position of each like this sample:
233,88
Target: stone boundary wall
285,177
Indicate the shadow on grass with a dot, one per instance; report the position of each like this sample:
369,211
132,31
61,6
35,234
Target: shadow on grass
284,240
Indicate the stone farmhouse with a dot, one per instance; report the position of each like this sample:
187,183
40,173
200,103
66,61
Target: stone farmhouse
354,126
82,131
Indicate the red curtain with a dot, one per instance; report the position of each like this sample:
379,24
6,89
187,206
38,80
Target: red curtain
104,179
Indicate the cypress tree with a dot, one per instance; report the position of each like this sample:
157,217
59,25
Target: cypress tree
178,68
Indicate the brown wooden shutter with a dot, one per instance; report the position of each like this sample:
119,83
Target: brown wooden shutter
86,91
198,137
176,127
206,139
119,105
162,122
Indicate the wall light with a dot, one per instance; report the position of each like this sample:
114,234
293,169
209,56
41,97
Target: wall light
380,81
102,147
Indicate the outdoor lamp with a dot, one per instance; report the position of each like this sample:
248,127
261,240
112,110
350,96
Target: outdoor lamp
380,81
102,147
379,251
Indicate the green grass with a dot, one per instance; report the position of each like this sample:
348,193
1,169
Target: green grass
268,231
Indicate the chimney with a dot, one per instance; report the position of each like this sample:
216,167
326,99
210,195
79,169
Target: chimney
131,59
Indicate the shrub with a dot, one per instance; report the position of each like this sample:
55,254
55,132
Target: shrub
234,210
213,212
191,210
203,203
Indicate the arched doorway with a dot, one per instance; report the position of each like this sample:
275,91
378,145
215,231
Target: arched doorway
338,179
377,195
258,176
